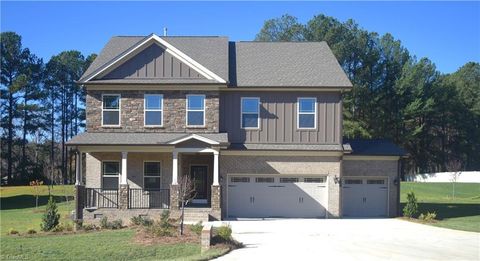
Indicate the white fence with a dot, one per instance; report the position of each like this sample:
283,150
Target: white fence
464,177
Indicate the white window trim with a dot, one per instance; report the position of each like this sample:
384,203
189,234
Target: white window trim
145,176
315,113
119,109
187,110
110,175
241,114
145,110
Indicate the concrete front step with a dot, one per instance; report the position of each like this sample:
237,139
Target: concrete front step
195,215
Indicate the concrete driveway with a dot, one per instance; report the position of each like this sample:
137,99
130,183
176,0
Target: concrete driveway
350,239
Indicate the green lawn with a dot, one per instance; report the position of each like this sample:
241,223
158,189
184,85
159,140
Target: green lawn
17,211
461,212
17,206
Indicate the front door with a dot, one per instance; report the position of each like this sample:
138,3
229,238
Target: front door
199,176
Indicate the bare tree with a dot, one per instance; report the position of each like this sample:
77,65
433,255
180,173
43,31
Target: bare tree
186,192
454,166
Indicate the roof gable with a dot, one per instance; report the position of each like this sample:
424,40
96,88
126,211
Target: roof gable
141,46
152,62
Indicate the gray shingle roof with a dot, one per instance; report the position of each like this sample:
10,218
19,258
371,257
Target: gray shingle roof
288,64
294,147
211,52
245,64
375,147
124,138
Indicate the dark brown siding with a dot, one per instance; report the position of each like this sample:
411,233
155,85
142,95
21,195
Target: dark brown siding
278,113
153,62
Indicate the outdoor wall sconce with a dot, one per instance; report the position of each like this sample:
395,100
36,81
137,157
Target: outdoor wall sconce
395,181
336,179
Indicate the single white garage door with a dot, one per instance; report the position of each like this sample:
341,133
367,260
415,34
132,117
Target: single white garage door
276,196
365,197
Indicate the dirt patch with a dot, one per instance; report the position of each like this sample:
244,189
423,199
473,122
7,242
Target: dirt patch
144,237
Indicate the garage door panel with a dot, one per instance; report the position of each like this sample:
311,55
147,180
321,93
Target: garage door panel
284,197
365,197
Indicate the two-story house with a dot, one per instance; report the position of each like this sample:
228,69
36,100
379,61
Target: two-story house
257,126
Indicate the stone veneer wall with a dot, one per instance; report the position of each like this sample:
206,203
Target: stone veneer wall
376,168
134,167
132,111
291,165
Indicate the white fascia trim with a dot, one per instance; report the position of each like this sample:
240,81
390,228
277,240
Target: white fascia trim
171,50
194,136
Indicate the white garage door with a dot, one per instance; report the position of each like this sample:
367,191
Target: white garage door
276,196
365,197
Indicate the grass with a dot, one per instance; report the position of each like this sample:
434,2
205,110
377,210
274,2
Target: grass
461,212
17,211
104,245
17,206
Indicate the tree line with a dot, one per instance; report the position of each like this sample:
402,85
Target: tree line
435,117
41,108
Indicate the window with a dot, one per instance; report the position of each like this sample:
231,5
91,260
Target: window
195,110
153,110
110,173
111,110
288,180
353,181
307,113
151,175
250,113
264,180
240,179
375,181
314,180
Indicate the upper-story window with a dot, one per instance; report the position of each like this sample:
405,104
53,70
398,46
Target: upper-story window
111,109
195,110
307,113
250,112
153,110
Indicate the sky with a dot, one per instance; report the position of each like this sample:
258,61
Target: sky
448,33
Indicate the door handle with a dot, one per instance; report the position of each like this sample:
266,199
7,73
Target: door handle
253,199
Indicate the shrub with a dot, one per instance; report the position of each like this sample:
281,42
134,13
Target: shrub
104,222
31,231
428,217
411,208
89,227
163,227
116,224
13,232
58,228
141,221
197,228
225,232
51,217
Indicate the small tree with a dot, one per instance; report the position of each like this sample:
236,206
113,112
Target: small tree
51,217
454,166
186,192
411,208
36,189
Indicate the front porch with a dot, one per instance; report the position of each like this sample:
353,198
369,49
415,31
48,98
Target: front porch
121,182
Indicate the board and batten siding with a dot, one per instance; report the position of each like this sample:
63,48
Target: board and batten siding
153,62
278,113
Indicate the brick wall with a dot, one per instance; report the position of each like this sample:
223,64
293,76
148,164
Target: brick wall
132,112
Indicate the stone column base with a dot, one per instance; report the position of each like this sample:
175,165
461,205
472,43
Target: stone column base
174,197
216,198
123,196
79,202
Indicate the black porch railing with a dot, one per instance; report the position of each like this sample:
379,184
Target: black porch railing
101,198
149,198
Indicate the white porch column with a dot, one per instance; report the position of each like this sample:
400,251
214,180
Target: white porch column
78,168
215,169
123,180
175,168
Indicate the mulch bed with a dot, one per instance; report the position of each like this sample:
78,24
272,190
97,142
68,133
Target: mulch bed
143,237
